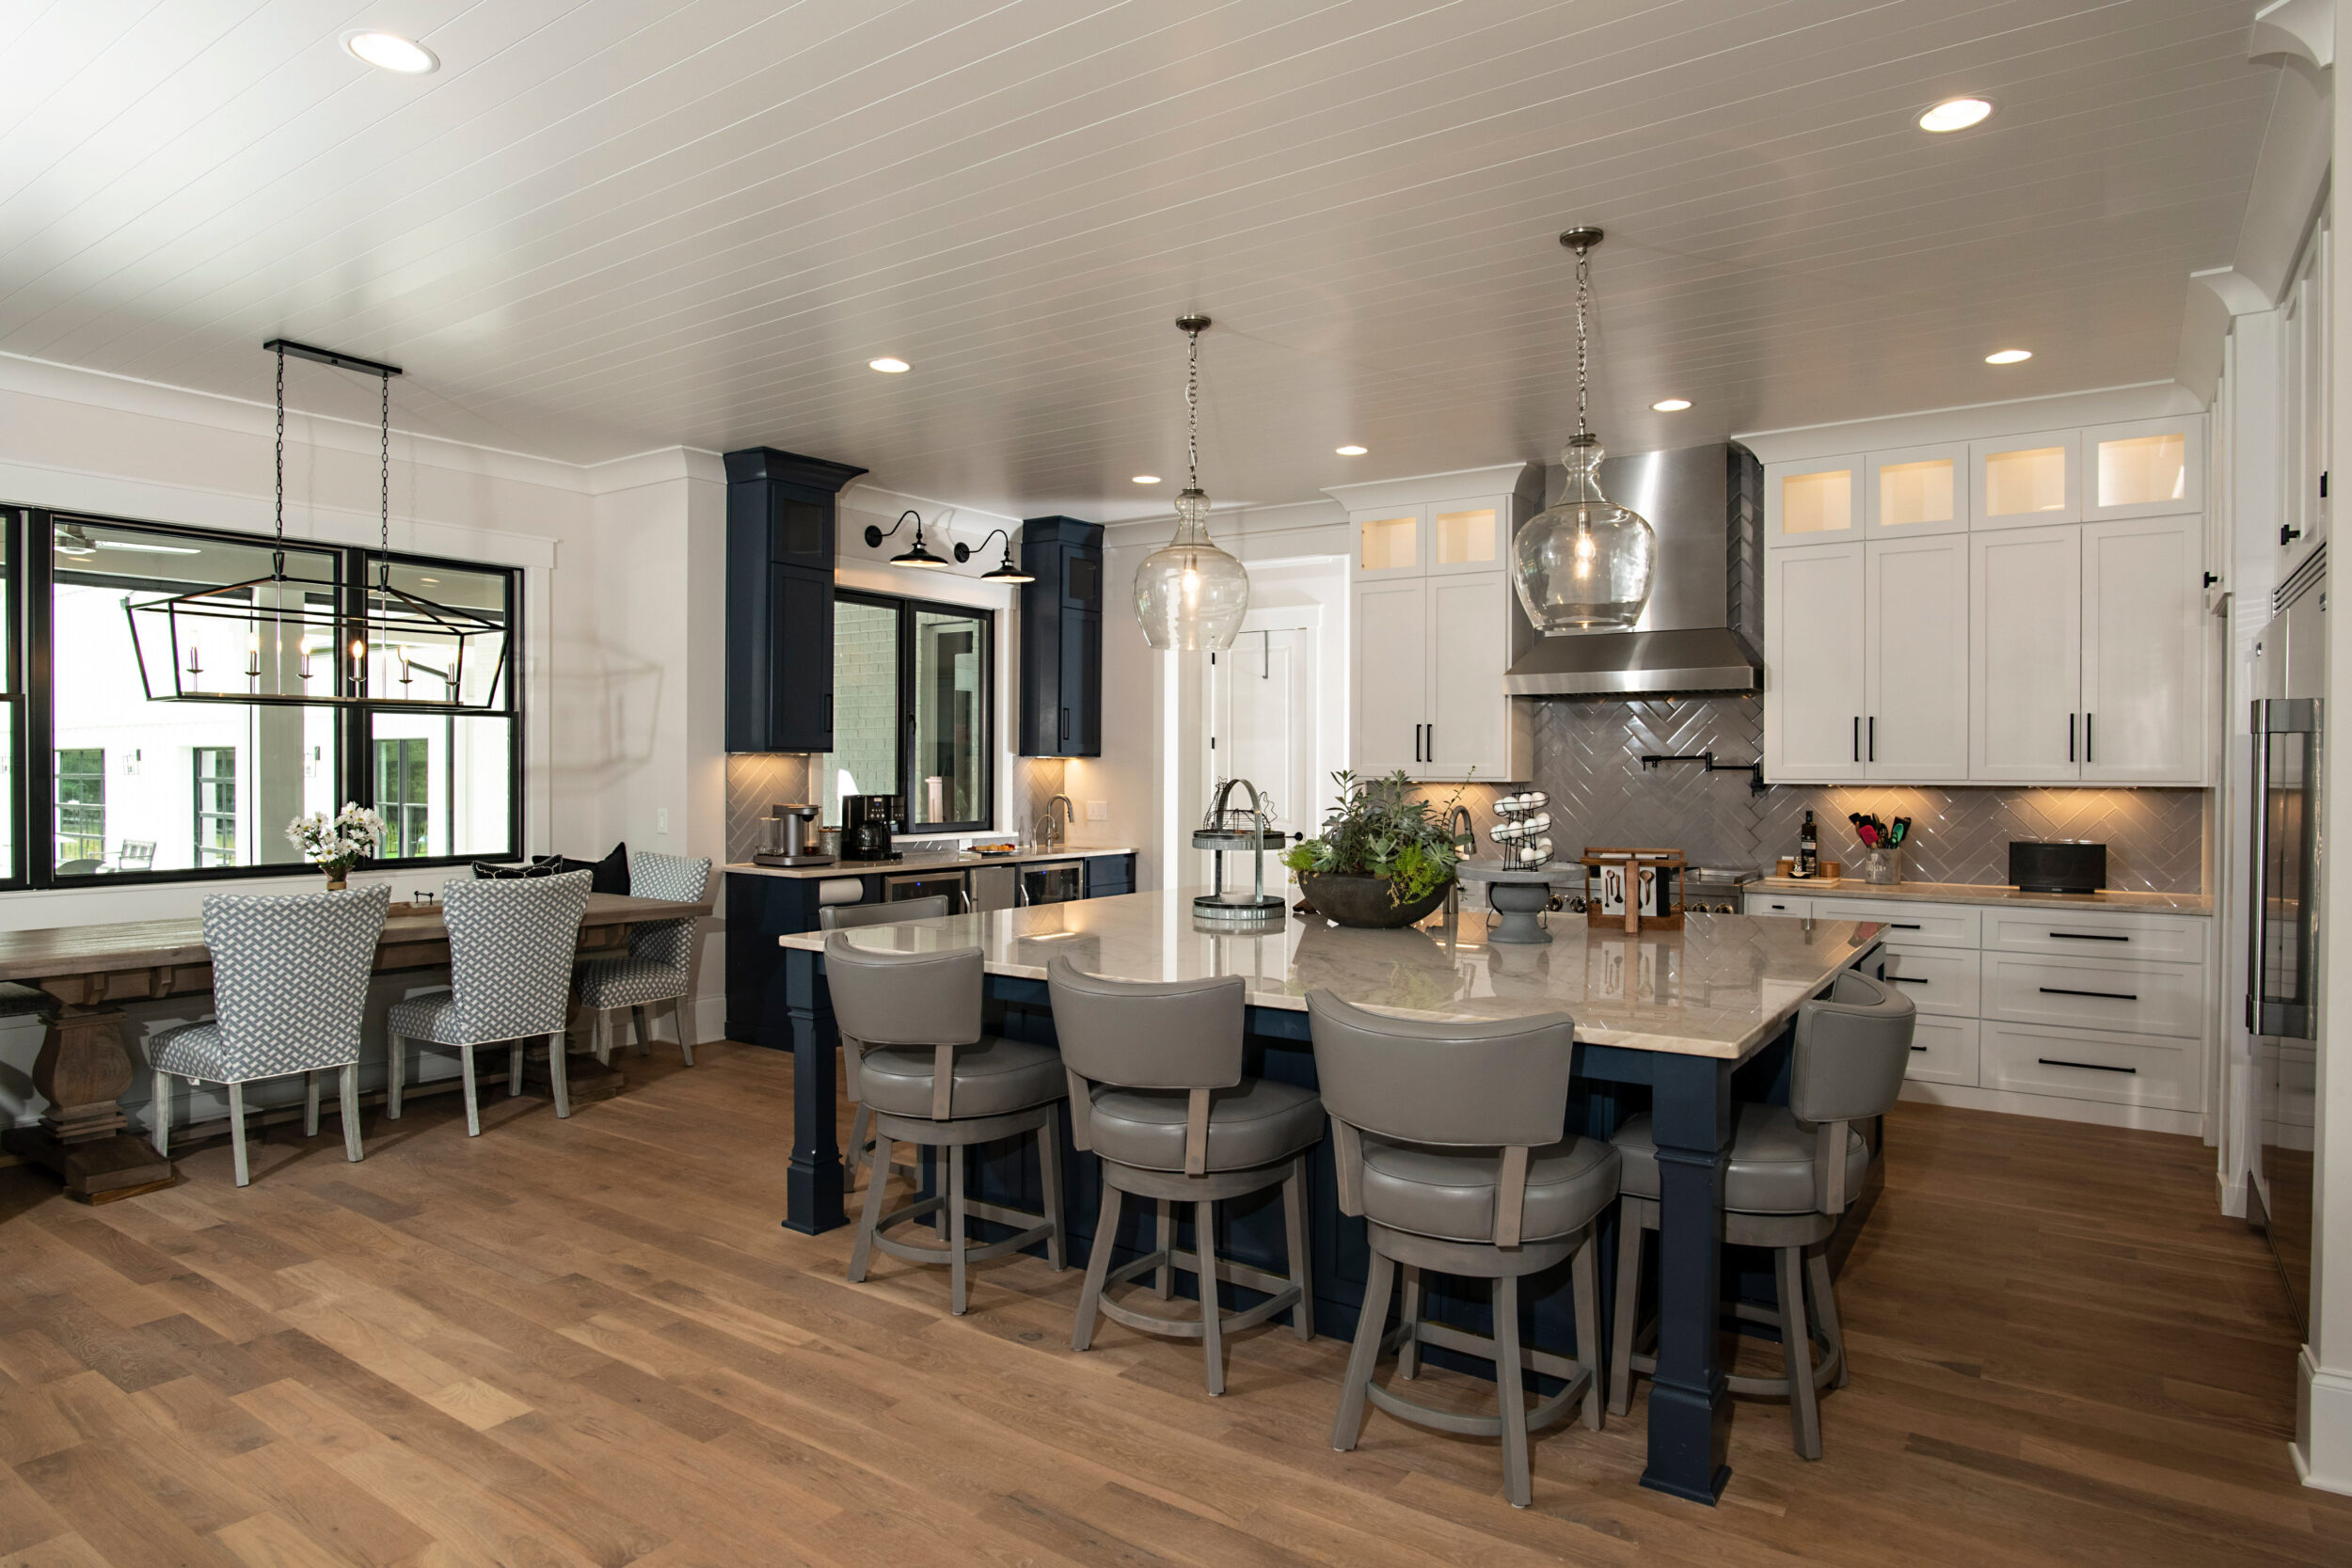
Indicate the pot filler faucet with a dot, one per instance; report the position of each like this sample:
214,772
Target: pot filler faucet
1069,818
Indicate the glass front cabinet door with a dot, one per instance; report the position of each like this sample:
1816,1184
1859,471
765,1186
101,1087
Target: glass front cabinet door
1915,492
1389,542
2148,468
2027,481
1817,502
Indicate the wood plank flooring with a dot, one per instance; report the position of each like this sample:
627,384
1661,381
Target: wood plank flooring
589,1342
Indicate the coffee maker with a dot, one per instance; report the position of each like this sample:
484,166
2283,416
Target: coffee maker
787,836
866,821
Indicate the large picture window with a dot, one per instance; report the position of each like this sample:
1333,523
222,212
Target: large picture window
141,783
913,714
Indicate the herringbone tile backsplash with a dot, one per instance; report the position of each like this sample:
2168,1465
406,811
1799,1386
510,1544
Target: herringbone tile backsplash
756,779
1588,759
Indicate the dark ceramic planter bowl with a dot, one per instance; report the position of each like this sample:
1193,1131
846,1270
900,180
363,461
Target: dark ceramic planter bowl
1364,902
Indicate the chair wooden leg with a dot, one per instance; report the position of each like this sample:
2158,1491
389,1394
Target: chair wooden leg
1409,1353
600,1037
349,1083
681,1008
861,1133
644,1029
1212,1314
396,1069
1164,1278
311,1104
1294,1238
876,1179
514,1069
1629,1303
956,1297
159,1114
236,1133
1825,1306
1796,1344
1510,1393
559,1074
1370,1326
1049,1178
1587,1280
1098,1269
474,1104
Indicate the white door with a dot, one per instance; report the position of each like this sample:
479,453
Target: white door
2144,642
1261,724
1392,641
1469,653
2025,612
1814,692
1915,728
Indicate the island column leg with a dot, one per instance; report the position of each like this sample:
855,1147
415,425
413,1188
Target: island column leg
812,1190
83,1065
1690,1405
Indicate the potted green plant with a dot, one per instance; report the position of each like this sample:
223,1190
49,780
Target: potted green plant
1384,858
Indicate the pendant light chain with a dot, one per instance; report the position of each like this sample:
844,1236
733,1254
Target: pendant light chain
281,447
1583,298
1192,412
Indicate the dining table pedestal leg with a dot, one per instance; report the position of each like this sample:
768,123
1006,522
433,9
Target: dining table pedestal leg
1690,1404
82,1071
813,1181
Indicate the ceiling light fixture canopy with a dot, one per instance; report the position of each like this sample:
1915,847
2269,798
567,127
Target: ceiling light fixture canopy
916,556
1586,563
1189,595
391,51
1006,571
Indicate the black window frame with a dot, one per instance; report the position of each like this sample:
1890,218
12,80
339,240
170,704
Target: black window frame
20,771
204,813
31,528
907,609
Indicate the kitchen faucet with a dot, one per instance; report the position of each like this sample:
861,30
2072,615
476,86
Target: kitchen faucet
1458,826
1070,817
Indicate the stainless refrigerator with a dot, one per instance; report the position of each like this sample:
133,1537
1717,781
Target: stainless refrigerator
2284,930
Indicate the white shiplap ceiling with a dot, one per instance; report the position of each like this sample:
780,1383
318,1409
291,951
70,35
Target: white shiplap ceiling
610,225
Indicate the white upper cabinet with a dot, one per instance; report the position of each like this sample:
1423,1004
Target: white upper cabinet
2026,481
1390,631
1466,536
1465,738
1917,491
1819,502
1814,643
1914,723
2143,694
2025,602
1389,542
2150,469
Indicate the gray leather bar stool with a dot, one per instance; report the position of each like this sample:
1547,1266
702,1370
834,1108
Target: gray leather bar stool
1794,1170
843,917
935,1080
1156,1093
1449,1139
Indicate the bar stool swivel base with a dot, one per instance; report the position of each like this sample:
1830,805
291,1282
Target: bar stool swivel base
951,1210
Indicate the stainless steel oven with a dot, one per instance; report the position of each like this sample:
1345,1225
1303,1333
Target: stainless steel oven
1052,882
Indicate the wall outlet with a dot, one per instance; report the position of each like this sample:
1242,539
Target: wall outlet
1098,811
661,820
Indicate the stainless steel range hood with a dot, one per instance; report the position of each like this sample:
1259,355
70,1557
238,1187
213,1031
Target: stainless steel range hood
1701,628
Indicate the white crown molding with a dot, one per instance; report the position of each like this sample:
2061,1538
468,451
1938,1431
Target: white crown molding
862,496
2150,400
2238,294
2304,27
1502,479
661,466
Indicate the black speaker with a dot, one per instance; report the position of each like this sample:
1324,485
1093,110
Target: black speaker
2060,867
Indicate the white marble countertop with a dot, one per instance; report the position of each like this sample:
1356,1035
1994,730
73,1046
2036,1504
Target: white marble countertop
942,860
1983,893
1720,987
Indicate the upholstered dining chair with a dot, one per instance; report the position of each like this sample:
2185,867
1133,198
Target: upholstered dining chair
844,917
289,987
661,962
511,944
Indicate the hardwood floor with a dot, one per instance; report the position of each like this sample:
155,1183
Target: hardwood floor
590,1342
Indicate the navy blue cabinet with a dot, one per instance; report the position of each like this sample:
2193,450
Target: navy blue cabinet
780,549
1062,639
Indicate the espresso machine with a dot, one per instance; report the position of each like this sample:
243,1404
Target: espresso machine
787,836
866,823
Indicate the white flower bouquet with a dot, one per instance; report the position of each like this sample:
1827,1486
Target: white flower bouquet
336,843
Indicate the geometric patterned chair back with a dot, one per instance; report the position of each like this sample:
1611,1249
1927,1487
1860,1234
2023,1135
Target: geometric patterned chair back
511,942
290,977
679,880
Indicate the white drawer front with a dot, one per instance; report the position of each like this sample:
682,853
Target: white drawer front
2099,934
1912,925
2131,1069
1778,904
2143,999
1937,979
1944,1050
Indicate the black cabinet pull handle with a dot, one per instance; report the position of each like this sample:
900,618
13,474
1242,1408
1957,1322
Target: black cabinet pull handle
1900,927
2102,995
2090,751
2083,936
1858,737
828,713
1919,1048
1903,980
1874,739
1433,742
2086,1066
2069,737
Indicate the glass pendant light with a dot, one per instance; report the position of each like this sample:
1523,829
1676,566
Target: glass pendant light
1189,595
1586,563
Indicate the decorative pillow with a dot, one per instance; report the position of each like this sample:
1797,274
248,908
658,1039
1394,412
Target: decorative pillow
609,875
542,865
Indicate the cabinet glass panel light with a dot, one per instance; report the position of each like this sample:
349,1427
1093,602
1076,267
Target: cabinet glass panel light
1816,503
2140,470
1464,537
1387,544
2017,482
1915,493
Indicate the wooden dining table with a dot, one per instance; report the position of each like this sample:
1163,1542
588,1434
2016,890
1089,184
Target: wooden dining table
86,1061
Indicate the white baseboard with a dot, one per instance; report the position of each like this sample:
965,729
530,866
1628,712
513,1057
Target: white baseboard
2322,1449
2053,1107
2230,1192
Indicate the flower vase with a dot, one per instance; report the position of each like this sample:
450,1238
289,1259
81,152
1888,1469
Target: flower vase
335,876
1882,865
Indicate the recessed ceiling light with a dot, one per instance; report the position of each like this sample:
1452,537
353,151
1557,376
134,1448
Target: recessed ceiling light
1670,405
2009,356
391,51
1147,479
1956,114
1353,451
888,366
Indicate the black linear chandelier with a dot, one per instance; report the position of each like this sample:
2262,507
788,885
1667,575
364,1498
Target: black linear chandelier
288,640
